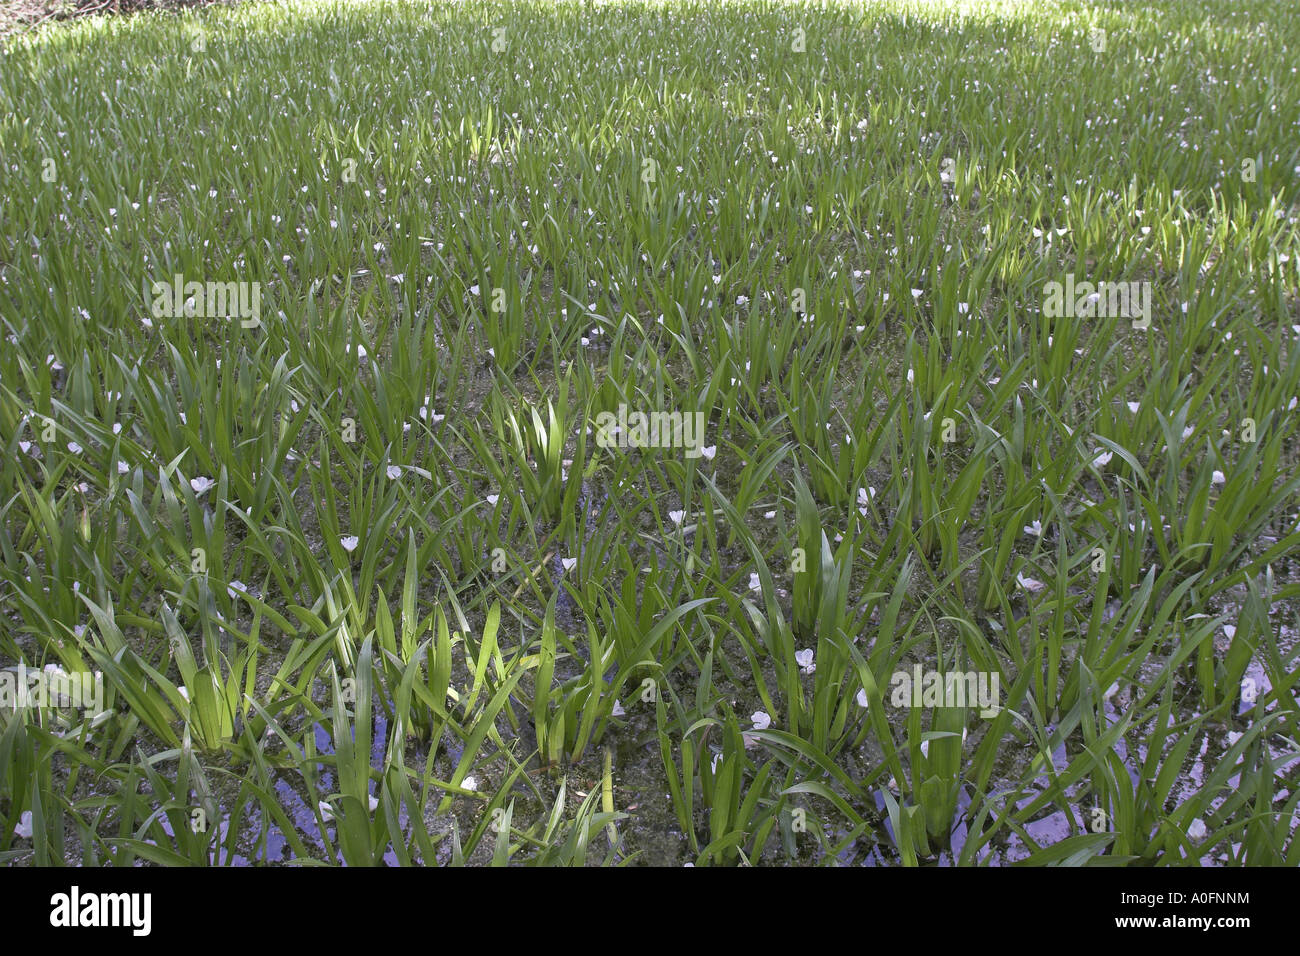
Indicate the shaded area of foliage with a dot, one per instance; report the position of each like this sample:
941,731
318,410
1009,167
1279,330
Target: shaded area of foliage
23,15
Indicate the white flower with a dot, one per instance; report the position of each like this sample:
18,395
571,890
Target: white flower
676,516
74,448
393,472
1217,478
473,290
123,468
23,830
1029,584
201,484
864,499
349,542
911,375
236,588
470,783
326,813
183,691
54,670
568,563
1196,829
804,659
925,748
374,804
618,710
708,451
1102,459
862,697
1134,406
1230,631
1034,529
865,495
754,584
760,720
493,499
